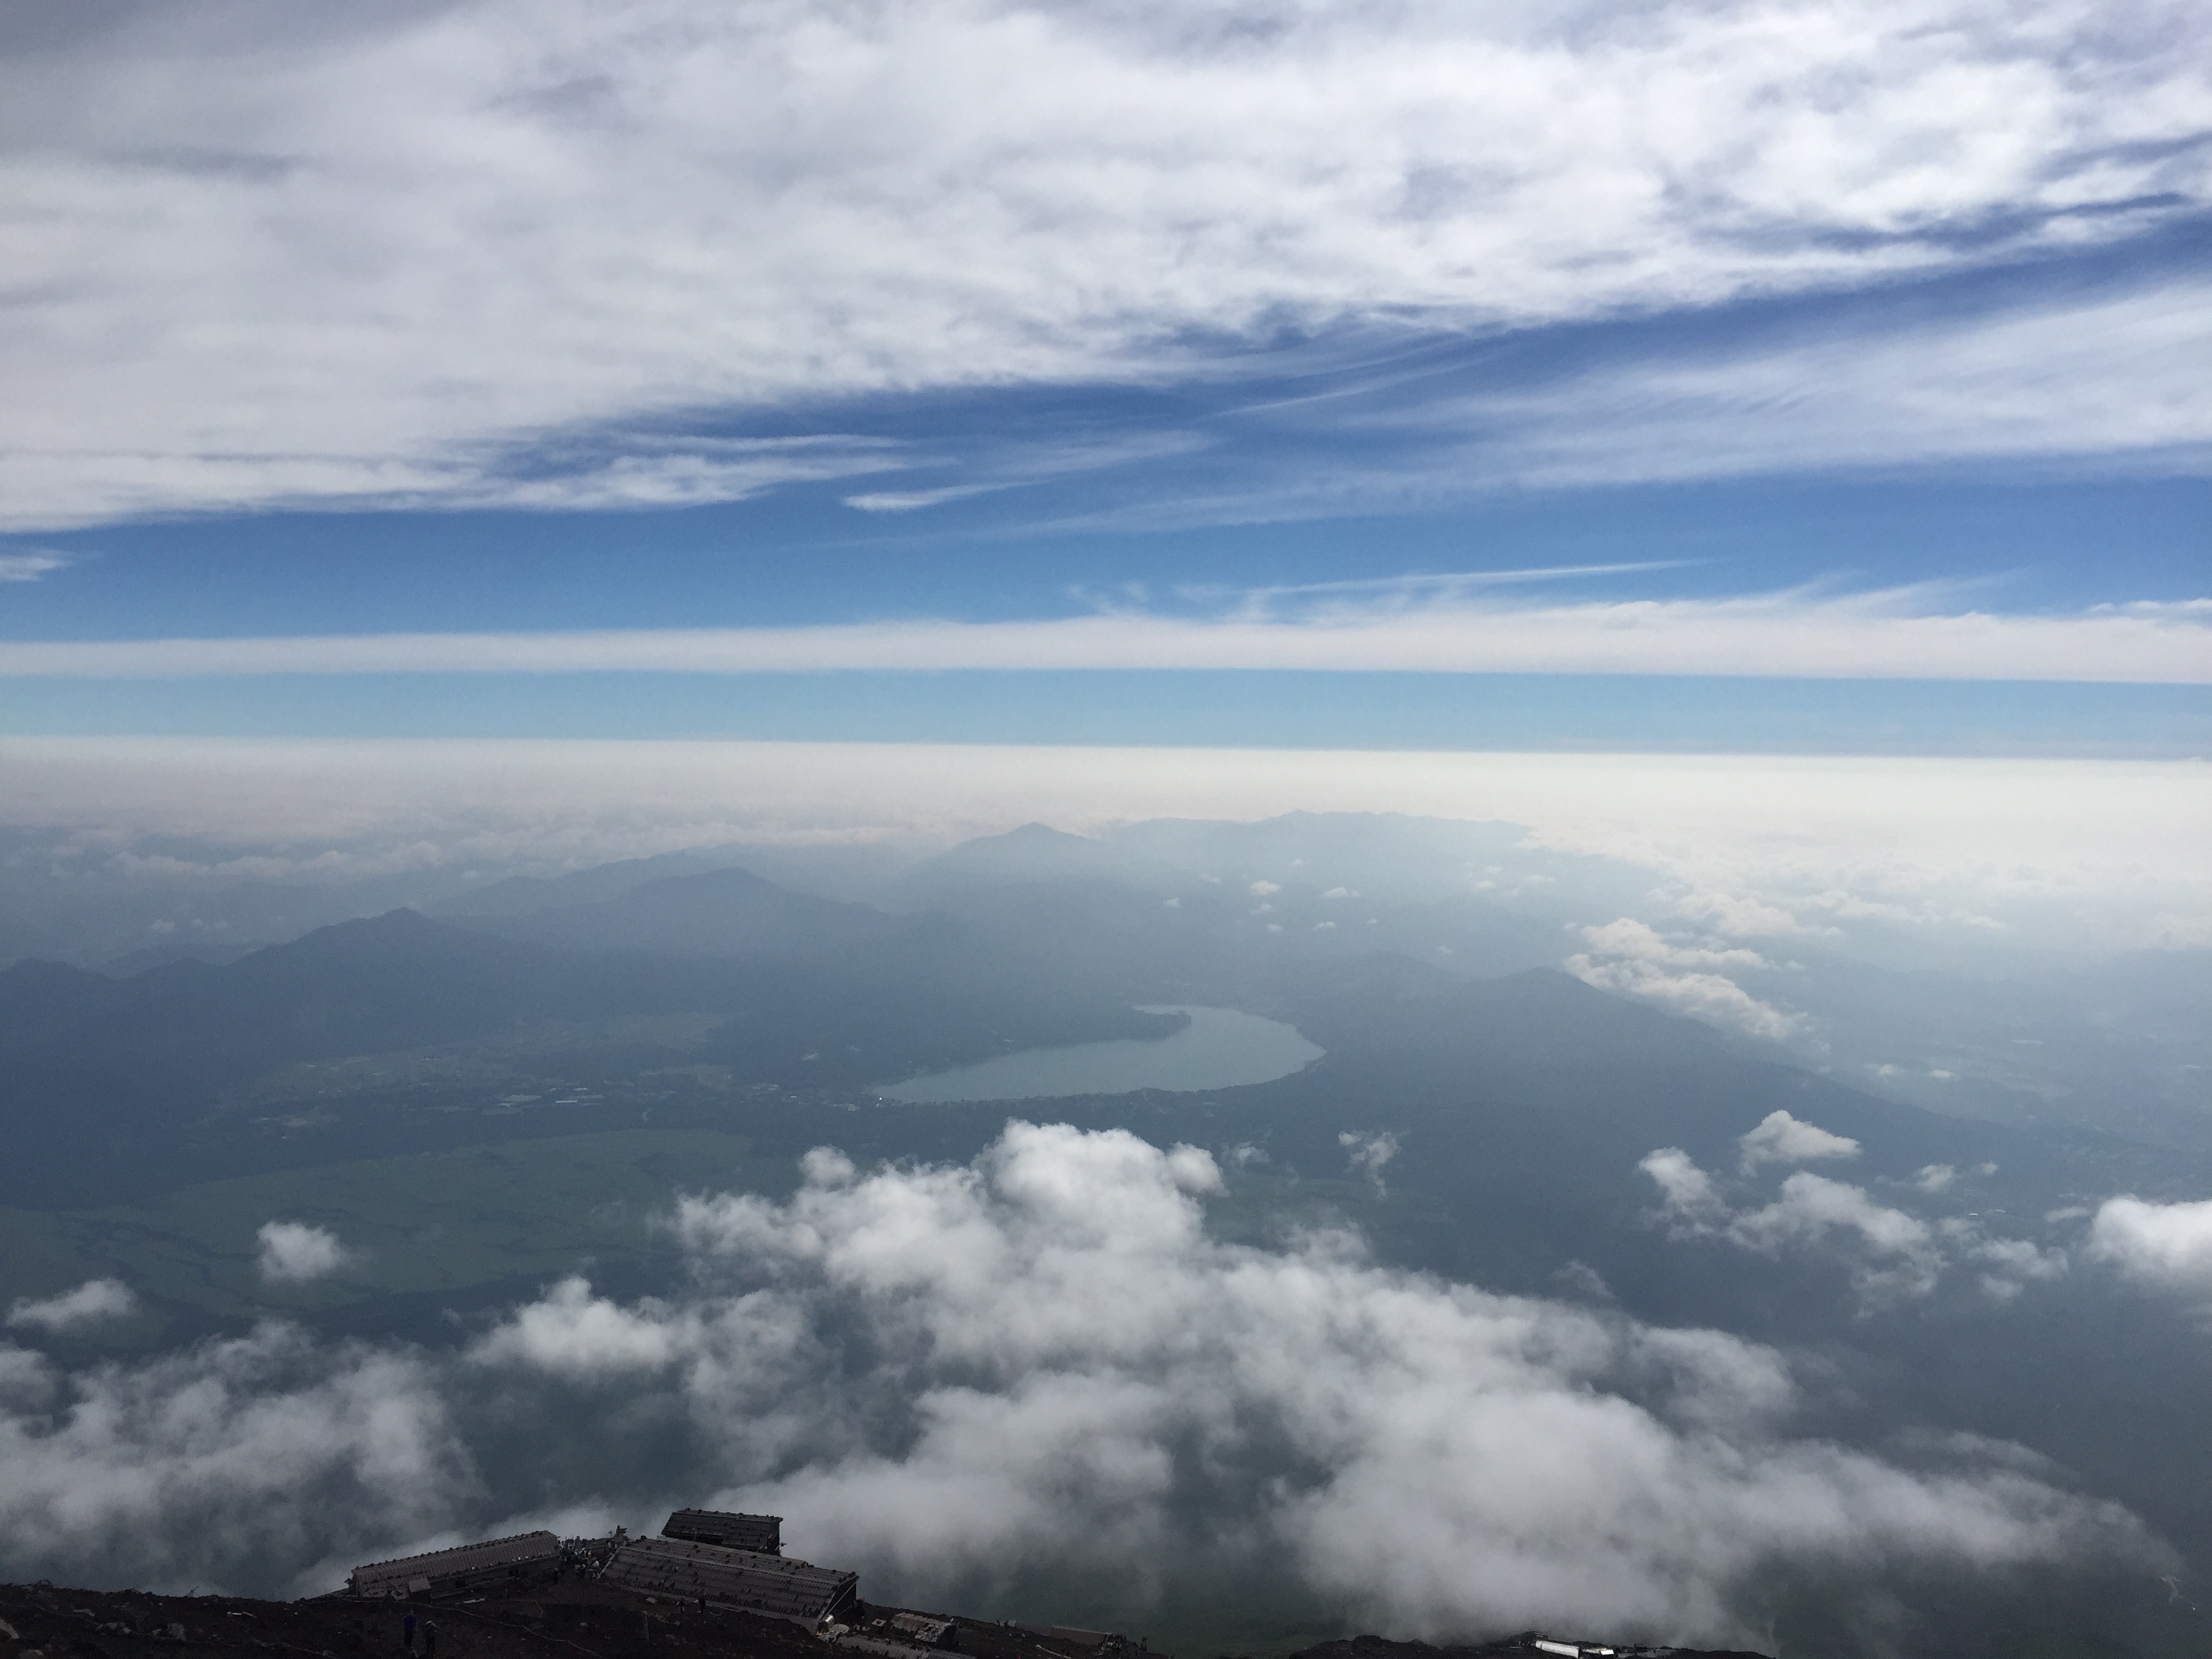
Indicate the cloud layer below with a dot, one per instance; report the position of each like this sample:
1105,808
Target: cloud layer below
1040,1362
2068,855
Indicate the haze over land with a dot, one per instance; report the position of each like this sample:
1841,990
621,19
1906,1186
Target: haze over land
1528,1299
1244,821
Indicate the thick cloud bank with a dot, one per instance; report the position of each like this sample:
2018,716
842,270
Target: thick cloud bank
1040,1363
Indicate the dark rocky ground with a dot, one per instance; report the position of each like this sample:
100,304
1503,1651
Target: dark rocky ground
574,1619
1376,1647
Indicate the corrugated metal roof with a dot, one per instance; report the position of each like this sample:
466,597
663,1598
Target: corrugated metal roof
738,1580
524,1548
760,1534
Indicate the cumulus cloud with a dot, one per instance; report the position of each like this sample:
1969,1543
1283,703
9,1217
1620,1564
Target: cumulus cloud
94,1300
673,207
2166,1245
1076,1359
1689,1195
1632,958
2010,1264
570,1331
1040,1361
1368,1153
1890,1253
294,1253
1781,1139
254,1457
1812,1209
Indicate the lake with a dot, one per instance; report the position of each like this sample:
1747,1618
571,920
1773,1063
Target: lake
1219,1048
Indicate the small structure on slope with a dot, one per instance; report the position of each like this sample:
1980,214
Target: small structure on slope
762,1534
465,1566
735,1581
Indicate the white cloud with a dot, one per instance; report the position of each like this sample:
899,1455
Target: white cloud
1908,635
911,501
1641,942
2167,1245
2109,376
2013,1263
2076,857
1632,958
293,1253
1369,1151
1781,1139
1935,1178
1892,1253
569,1330
29,566
1078,1363
1264,889
673,207
255,1456
1737,915
94,1300
1688,1192
1889,1252
1041,1361
1812,1208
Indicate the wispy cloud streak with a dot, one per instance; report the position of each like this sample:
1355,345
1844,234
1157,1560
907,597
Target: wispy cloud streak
230,300
1796,634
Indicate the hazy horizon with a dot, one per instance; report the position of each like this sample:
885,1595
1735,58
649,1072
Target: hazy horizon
1504,714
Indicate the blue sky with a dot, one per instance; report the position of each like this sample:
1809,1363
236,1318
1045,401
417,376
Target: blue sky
1769,377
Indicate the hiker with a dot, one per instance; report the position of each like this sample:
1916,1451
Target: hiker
407,1630
429,1638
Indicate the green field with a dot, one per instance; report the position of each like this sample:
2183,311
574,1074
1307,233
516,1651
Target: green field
431,1222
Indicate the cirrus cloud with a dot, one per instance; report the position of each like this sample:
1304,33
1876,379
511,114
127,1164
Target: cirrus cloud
674,207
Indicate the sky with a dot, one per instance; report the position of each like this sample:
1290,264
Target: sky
1765,445
1757,377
